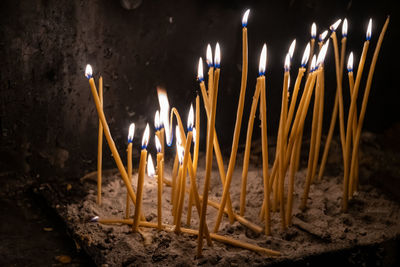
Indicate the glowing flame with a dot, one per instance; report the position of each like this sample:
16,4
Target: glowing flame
164,113
350,63
178,135
306,55
194,135
209,56
181,153
323,35
369,30
313,63
190,118
313,30
335,25
322,53
200,76
245,18
287,62
291,48
158,144
131,132
344,28
145,139
95,219
217,58
157,120
88,71
263,60
150,167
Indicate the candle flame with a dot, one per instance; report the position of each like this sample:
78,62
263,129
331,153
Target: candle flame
306,55
313,30
158,144
88,71
350,63
344,28
217,58
95,219
131,132
322,53
181,153
164,113
157,120
323,35
291,48
369,30
190,118
150,167
335,25
287,62
263,60
194,135
313,63
145,139
245,18
178,135
200,76
209,59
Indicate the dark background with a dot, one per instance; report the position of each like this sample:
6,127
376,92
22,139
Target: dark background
48,120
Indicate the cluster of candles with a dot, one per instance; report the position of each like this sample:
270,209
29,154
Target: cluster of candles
290,132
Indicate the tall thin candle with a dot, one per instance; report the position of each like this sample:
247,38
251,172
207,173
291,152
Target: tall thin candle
131,133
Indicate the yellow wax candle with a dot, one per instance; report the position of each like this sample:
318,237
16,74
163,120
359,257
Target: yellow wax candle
178,183
353,105
110,141
210,70
238,124
159,181
322,37
100,146
366,95
140,181
209,149
185,165
152,173
131,133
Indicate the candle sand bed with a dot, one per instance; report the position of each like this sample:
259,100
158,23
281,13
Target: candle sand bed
372,218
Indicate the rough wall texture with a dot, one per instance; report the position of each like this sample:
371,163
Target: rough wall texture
47,116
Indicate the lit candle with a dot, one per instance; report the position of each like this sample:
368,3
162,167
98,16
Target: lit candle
181,153
152,173
209,149
210,65
366,95
238,124
322,37
100,146
131,133
185,165
312,42
353,105
320,60
177,183
336,103
110,141
157,125
160,166
140,181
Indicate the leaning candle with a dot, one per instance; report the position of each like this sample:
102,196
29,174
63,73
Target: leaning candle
131,133
238,124
353,105
159,180
100,146
185,165
209,149
181,153
322,37
140,181
366,95
177,183
110,141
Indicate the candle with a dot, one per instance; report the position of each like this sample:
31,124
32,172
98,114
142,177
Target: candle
177,184
312,42
110,141
238,124
217,149
322,37
140,181
366,95
185,165
209,154
131,133
152,173
100,146
159,177
210,70
353,105
157,125
335,107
